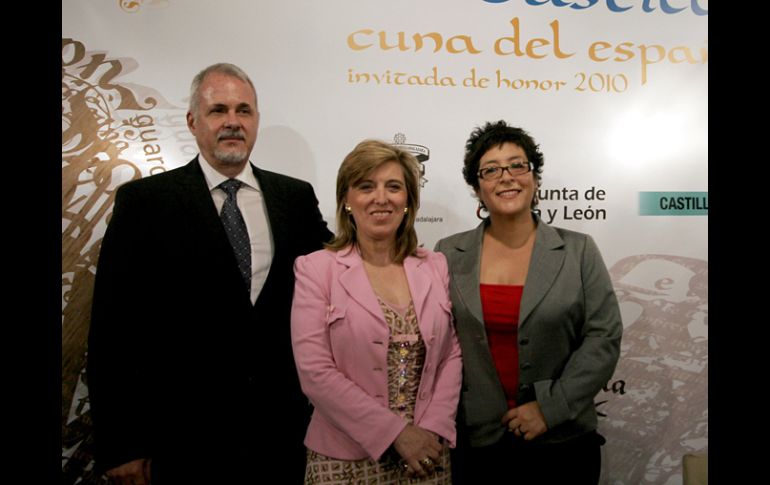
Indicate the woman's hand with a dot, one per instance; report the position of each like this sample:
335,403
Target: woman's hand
526,421
419,448
135,472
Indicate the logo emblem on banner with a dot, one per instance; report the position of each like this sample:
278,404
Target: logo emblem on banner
420,152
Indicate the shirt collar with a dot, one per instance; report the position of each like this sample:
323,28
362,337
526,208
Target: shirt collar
214,178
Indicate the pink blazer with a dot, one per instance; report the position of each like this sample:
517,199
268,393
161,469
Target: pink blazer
340,341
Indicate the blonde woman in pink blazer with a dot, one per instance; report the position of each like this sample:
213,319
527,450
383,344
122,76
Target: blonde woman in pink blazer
372,334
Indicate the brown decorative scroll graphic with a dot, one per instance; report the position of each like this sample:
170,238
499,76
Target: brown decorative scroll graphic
663,411
133,6
99,125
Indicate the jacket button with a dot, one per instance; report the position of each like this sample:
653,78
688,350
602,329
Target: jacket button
526,366
524,341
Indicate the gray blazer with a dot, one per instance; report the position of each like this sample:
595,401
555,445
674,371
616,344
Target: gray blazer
569,334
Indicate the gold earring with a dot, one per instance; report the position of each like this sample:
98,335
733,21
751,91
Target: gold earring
348,209
406,209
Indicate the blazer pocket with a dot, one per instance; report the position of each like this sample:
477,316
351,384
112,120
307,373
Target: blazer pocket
446,315
442,327
334,314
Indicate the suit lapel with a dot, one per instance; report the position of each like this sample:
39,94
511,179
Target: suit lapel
545,264
356,283
275,204
276,207
466,271
419,287
203,213
212,248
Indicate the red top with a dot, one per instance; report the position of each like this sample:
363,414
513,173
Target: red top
500,306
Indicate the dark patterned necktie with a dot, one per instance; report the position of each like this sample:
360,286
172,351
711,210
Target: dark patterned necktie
235,228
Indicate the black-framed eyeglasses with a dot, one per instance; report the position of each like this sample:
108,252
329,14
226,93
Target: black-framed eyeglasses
496,171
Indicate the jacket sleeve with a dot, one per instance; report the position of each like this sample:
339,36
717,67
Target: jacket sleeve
116,379
442,410
340,400
591,365
315,226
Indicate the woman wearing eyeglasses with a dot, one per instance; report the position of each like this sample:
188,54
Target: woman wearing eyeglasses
538,323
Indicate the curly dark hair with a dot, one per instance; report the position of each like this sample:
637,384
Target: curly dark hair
496,134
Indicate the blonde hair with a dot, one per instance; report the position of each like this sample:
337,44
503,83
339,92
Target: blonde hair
366,157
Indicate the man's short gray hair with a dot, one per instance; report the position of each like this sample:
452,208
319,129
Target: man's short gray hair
222,68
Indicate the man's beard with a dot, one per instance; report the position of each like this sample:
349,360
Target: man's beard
231,157
227,156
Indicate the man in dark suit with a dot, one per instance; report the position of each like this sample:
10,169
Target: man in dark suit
190,369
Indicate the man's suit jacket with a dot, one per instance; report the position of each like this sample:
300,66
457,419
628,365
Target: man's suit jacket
340,340
569,334
181,366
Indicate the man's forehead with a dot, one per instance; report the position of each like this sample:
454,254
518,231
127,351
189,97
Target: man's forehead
228,91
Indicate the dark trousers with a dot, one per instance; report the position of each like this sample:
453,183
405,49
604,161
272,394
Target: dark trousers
515,461
272,464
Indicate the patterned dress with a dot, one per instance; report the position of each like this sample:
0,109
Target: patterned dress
406,356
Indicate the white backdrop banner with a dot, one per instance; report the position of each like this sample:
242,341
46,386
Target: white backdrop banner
615,92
